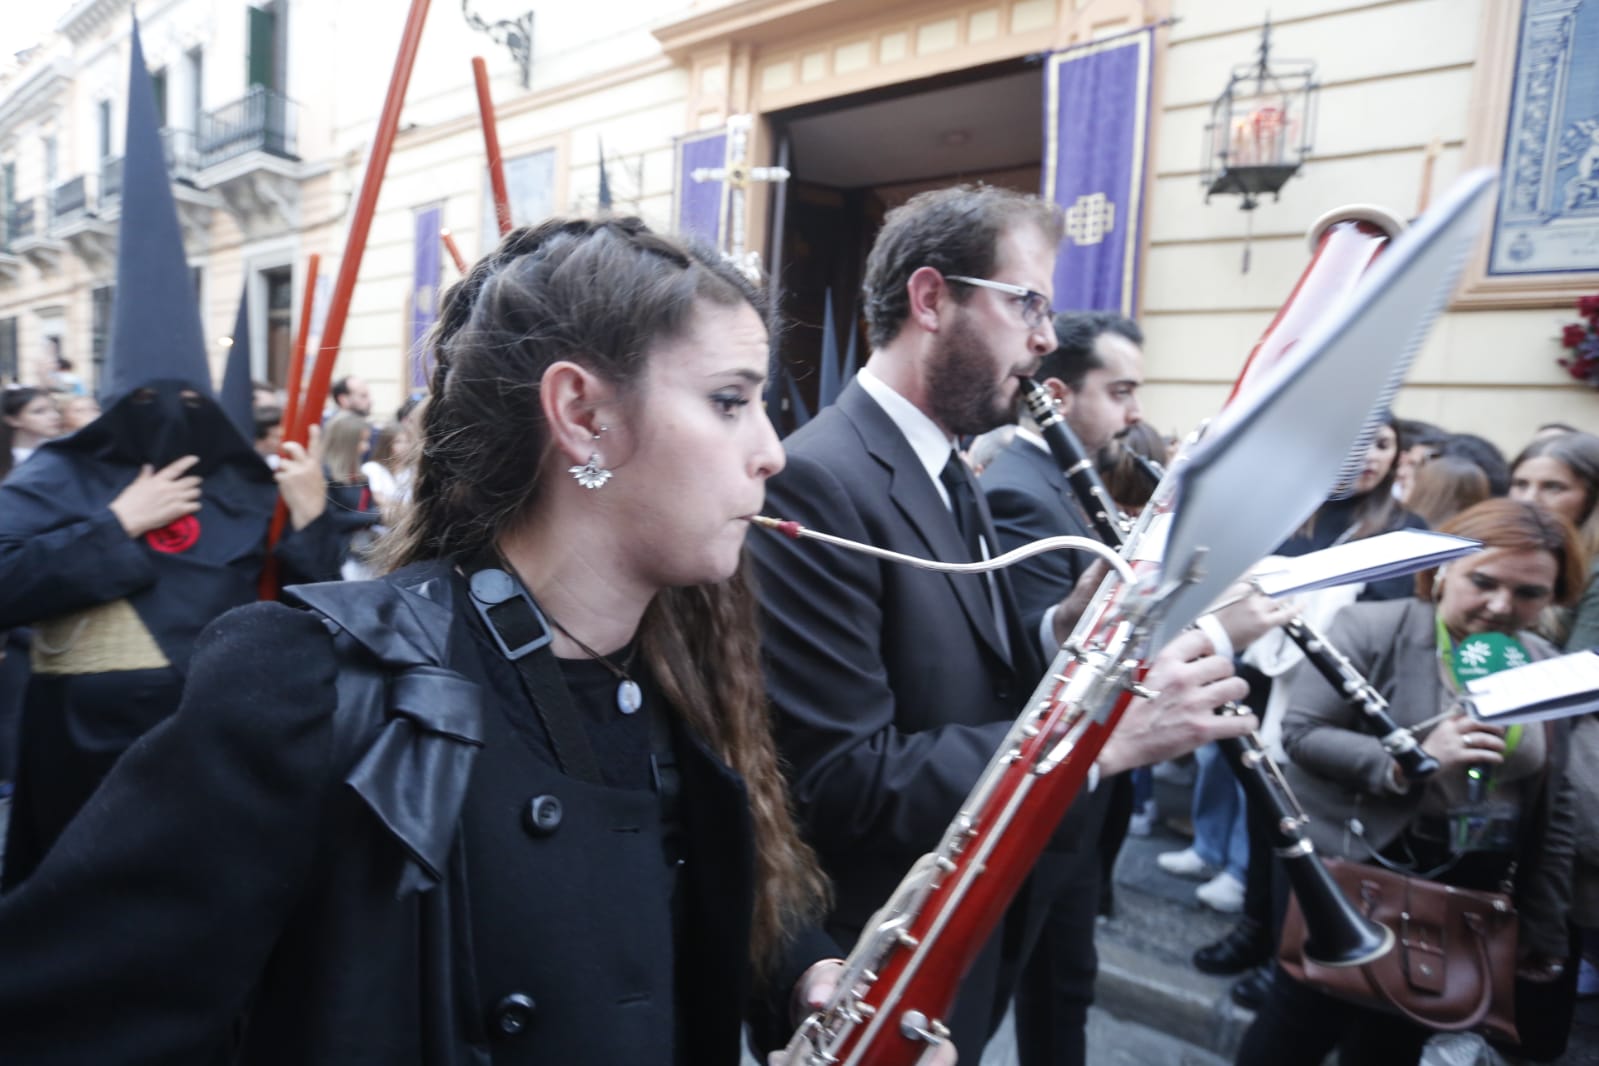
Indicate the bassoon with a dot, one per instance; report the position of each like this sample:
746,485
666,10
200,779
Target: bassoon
902,976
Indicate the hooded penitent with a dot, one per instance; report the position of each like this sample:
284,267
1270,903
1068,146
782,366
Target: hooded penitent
159,406
116,617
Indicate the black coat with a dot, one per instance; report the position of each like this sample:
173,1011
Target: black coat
66,564
263,856
889,683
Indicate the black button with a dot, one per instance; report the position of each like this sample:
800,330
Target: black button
543,816
511,1015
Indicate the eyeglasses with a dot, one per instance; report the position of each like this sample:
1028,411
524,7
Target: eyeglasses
1035,305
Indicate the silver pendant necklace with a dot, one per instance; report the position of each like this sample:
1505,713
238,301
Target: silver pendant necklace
629,696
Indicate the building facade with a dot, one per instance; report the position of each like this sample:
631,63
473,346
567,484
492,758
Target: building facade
270,109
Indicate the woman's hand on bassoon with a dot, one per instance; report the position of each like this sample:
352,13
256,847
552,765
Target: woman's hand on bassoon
1189,683
815,988
814,991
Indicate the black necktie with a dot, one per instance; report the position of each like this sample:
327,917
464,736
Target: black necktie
957,479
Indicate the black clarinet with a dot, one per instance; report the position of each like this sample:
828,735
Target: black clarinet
1078,467
1334,665
1338,934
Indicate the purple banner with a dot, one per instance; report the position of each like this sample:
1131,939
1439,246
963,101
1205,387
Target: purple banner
1096,123
699,203
424,292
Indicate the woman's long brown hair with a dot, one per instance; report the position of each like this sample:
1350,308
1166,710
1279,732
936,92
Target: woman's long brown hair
602,294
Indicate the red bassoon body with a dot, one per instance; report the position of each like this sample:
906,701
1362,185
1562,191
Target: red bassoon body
902,976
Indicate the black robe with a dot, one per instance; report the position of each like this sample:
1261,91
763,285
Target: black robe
116,617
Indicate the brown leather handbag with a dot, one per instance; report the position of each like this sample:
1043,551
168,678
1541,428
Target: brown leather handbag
1453,964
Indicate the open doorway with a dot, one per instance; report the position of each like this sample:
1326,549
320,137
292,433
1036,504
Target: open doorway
855,158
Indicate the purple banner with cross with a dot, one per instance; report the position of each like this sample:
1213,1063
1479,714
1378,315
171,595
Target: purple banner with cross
699,203
1096,125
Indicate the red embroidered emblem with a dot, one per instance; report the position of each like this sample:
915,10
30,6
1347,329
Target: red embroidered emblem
176,536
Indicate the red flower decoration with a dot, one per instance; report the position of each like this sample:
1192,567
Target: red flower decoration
1581,340
176,536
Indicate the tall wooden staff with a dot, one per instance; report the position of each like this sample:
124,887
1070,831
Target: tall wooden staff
491,147
291,410
316,393
267,584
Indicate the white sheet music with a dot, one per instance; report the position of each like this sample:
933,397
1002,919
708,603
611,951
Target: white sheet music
1404,551
1553,688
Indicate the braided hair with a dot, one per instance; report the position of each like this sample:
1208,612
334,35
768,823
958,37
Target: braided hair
603,294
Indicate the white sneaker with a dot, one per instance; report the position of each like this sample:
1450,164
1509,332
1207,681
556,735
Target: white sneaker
1224,893
1142,823
1185,863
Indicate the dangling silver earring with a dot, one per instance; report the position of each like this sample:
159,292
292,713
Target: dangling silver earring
591,475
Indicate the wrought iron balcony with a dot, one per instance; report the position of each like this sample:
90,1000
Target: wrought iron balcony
69,200
262,121
24,222
30,235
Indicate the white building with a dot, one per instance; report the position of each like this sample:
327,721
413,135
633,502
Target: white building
272,107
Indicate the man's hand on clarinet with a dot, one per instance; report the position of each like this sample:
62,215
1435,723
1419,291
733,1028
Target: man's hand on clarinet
1250,614
1189,682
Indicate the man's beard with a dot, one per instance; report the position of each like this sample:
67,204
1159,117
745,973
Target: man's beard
964,396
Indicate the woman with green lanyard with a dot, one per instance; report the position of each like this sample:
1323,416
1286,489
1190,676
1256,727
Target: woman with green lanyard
1498,811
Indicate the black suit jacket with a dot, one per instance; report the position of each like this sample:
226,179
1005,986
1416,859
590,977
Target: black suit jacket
889,682
1030,500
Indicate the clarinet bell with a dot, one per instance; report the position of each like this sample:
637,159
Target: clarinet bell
1336,934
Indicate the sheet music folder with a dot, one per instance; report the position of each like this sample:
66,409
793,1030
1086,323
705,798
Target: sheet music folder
1553,688
1404,551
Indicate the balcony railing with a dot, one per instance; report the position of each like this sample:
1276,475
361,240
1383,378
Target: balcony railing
69,199
177,145
262,121
24,221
